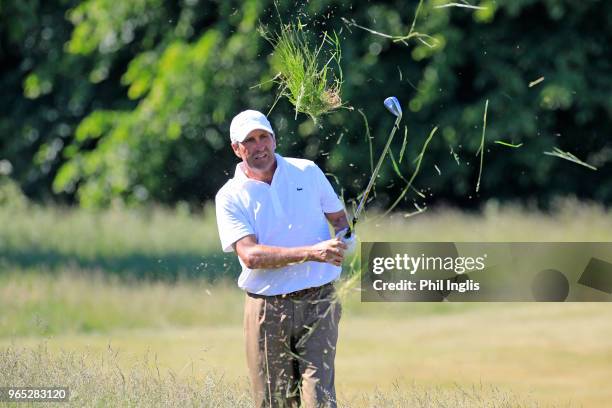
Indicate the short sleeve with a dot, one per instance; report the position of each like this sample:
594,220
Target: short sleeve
330,202
231,221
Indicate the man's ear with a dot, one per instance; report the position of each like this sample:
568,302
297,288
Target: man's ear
235,148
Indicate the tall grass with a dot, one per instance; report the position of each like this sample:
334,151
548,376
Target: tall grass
35,302
568,221
77,294
163,234
114,231
71,271
99,381
476,396
154,242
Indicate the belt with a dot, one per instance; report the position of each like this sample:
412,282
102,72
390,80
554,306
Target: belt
296,294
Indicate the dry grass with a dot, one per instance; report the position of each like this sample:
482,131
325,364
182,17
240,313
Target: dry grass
550,353
99,379
389,354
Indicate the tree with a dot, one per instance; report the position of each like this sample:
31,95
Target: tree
133,101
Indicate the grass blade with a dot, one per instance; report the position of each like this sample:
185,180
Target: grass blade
537,81
508,144
368,139
482,142
401,155
414,174
569,157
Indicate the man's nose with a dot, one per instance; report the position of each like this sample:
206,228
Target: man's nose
260,144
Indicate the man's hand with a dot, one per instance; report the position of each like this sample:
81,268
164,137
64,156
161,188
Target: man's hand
330,251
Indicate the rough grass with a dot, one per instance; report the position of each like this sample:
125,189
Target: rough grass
569,221
34,302
98,380
555,354
148,243
67,270
177,239
116,231
70,279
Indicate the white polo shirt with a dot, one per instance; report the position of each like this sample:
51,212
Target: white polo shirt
289,212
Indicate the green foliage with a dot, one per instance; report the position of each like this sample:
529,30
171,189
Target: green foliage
107,26
160,118
131,102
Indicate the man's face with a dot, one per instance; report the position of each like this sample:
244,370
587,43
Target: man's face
257,150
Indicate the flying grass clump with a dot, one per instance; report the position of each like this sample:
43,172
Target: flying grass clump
304,73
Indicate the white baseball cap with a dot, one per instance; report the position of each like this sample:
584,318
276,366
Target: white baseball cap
246,121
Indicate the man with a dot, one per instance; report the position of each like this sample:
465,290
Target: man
274,214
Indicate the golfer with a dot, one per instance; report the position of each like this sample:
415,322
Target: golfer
274,214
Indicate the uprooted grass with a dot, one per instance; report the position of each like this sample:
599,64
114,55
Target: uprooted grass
310,86
97,379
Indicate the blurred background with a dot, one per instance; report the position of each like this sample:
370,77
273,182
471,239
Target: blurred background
114,138
132,102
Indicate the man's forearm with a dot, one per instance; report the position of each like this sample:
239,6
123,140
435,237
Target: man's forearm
264,256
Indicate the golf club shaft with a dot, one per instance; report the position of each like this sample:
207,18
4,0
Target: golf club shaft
364,197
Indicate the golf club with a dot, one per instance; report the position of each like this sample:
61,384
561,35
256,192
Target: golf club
393,106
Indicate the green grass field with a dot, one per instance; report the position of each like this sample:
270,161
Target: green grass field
140,308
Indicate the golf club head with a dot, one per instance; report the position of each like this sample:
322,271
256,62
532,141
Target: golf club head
393,106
